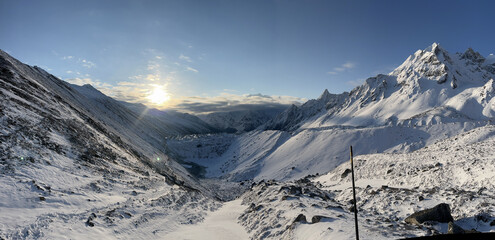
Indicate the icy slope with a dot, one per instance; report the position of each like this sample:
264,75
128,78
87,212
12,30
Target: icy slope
66,173
175,122
281,155
459,171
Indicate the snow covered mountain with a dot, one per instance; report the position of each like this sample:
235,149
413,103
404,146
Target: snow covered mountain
243,120
431,86
71,161
431,96
148,123
291,118
176,123
74,162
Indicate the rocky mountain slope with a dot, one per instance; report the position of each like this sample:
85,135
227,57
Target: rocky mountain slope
243,120
457,171
431,96
73,163
431,86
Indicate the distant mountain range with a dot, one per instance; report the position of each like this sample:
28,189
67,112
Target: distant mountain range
431,96
431,86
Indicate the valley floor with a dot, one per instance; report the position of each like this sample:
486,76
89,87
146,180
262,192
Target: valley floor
218,225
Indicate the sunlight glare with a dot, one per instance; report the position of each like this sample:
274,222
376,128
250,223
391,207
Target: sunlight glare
158,96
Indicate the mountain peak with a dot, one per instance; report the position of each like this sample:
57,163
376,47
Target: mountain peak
473,56
324,95
434,48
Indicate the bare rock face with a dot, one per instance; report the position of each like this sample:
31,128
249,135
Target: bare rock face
439,213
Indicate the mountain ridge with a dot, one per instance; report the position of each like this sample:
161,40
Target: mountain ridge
418,85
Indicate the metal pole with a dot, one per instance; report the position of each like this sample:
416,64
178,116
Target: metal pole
354,195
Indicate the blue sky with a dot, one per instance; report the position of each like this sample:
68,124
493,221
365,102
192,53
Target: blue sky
226,51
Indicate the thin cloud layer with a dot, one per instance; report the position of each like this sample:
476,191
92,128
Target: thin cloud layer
227,102
139,93
342,68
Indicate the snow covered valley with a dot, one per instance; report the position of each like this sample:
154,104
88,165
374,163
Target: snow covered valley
76,164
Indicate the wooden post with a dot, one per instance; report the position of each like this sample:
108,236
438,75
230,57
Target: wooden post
354,196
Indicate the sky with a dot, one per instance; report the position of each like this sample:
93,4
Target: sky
179,54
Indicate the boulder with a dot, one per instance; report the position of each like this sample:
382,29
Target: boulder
439,213
345,173
300,218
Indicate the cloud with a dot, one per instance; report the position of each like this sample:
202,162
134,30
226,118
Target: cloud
152,66
67,57
185,58
87,63
342,68
139,92
83,81
191,69
152,77
226,102
348,65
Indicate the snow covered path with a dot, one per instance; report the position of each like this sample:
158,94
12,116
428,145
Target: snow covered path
218,225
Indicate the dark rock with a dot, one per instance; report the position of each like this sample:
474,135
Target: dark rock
334,207
421,198
345,173
300,218
318,218
352,209
42,199
111,213
389,171
492,223
439,213
90,222
291,189
455,229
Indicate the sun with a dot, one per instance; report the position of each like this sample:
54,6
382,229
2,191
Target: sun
158,96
